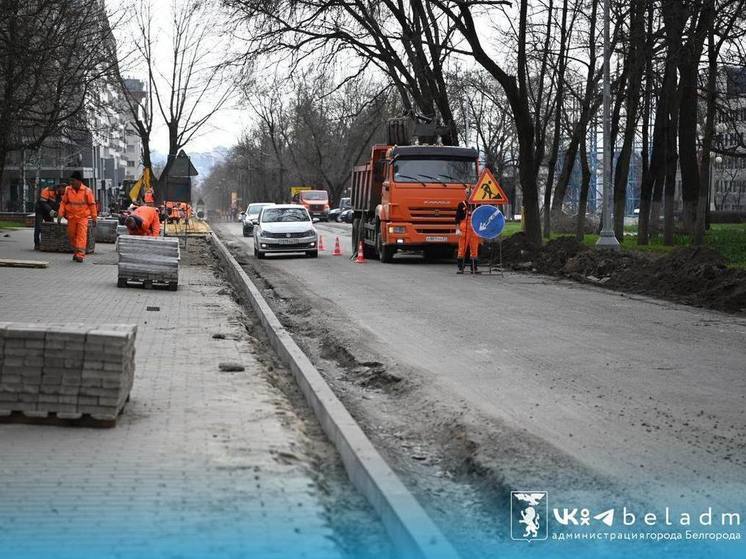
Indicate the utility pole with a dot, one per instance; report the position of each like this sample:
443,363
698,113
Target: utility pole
607,238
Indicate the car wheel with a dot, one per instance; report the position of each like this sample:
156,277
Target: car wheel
312,253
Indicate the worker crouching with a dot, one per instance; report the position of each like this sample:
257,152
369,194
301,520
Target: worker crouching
467,238
144,221
78,205
46,209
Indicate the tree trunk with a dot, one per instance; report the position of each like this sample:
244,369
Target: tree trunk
584,186
670,185
557,125
688,144
636,62
703,198
588,108
3,155
646,182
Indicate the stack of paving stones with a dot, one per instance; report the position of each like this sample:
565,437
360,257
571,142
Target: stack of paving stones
66,371
54,238
148,261
122,230
106,230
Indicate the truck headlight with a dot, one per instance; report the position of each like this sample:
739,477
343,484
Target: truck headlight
397,229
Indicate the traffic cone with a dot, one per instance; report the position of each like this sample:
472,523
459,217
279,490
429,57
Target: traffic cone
337,248
360,254
321,243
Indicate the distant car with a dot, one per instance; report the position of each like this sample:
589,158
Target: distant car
285,228
346,216
250,217
344,204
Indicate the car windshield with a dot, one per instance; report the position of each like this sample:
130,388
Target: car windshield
457,171
254,210
275,215
313,195
345,203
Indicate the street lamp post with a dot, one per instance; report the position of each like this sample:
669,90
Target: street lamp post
607,238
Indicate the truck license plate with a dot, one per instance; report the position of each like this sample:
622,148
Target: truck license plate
436,239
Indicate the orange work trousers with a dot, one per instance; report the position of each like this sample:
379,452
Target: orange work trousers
468,238
77,233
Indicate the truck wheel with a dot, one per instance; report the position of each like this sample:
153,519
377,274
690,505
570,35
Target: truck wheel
385,252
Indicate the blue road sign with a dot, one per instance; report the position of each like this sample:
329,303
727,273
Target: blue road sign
488,222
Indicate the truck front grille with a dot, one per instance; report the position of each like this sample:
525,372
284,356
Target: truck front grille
433,214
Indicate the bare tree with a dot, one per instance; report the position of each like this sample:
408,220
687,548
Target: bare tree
408,41
192,87
308,132
139,105
50,65
518,91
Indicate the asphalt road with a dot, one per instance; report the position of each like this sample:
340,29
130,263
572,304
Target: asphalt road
646,394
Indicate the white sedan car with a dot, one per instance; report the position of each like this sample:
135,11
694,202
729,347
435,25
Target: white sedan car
285,228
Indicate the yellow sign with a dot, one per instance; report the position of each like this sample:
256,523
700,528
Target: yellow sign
144,183
488,190
296,189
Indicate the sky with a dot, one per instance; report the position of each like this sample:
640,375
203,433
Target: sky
224,128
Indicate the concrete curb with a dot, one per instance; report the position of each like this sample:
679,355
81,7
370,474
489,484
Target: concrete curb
412,532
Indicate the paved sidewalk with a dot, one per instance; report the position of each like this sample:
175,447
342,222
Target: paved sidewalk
202,464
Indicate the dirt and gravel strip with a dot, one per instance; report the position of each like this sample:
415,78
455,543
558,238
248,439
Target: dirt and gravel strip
697,276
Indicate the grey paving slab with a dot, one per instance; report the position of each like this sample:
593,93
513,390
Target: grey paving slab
191,469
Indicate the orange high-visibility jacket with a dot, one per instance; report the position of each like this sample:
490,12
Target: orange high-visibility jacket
151,224
148,197
48,194
79,204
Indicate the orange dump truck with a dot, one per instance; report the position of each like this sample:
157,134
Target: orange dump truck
405,198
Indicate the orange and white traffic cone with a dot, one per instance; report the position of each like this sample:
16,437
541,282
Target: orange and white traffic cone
360,259
337,248
321,243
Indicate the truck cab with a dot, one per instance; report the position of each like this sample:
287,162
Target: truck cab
315,201
405,198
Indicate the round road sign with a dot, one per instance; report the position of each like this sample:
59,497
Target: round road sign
488,222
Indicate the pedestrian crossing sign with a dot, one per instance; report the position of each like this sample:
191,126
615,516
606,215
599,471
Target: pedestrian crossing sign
488,190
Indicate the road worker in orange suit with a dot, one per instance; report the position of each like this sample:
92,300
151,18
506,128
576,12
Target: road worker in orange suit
144,221
467,238
78,205
46,209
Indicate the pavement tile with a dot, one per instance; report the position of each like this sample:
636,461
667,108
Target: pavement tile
176,477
